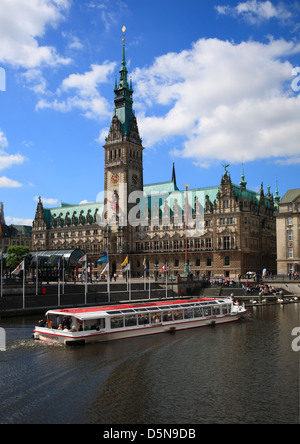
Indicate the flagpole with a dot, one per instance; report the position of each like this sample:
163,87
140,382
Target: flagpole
63,285
85,287
149,284
1,285
129,281
24,276
36,275
166,283
108,283
58,287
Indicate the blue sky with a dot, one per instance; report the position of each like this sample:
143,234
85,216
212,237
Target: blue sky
215,81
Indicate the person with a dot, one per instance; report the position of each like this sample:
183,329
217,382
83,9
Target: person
60,327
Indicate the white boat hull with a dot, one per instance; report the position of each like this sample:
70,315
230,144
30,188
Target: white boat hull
78,338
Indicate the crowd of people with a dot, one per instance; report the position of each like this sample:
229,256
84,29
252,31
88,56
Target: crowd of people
261,289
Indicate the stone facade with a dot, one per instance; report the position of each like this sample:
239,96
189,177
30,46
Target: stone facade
11,235
224,230
288,238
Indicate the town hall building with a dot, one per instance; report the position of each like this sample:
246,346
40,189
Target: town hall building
224,230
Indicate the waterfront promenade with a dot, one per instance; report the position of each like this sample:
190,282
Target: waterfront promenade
74,294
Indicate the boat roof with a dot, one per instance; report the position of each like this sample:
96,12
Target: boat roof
87,313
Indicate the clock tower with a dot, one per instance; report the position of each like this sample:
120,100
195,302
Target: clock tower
123,152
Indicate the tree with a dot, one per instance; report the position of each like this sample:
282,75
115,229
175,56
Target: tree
15,255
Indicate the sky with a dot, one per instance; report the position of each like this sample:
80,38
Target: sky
215,82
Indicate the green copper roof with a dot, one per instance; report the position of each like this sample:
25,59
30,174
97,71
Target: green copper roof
123,98
69,210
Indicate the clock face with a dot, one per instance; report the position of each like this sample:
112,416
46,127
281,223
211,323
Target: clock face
115,179
135,179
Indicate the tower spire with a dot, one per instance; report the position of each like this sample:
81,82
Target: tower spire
277,197
243,183
123,70
174,175
123,95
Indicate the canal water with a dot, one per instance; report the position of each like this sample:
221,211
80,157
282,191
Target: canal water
244,372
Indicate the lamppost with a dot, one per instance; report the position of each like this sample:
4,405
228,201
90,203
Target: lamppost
186,265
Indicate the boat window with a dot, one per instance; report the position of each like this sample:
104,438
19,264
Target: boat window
216,310
100,323
167,316
115,312
188,313
198,312
156,317
130,320
144,319
152,308
207,311
116,321
226,309
138,310
178,314
129,310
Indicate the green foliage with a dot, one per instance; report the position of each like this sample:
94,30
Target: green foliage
16,254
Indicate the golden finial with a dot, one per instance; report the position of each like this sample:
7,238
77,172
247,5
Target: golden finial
124,29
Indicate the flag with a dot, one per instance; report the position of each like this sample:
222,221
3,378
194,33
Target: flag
34,260
60,260
164,268
127,268
82,259
145,265
125,262
19,268
105,269
103,259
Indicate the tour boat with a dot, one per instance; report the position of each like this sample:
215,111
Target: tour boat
105,323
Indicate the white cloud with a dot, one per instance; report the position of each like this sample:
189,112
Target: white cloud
83,93
22,25
255,11
47,201
8,183
8,160
109,12
3,140
35,81
74,41
228,101
18,221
